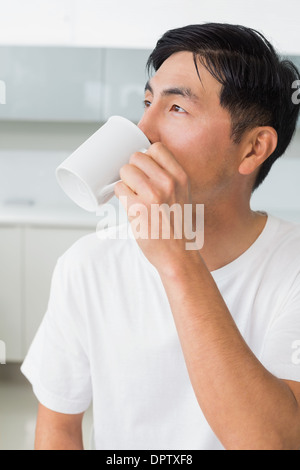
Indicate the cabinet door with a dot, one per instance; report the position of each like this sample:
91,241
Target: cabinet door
11,292
125,79
51,83
43,246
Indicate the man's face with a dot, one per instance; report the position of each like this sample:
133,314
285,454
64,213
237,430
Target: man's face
185,115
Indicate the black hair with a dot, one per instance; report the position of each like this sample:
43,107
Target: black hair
256,82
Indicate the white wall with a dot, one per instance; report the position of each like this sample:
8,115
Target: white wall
139,23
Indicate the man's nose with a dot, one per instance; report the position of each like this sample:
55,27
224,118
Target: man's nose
150,127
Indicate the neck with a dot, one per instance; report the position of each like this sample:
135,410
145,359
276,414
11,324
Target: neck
229,230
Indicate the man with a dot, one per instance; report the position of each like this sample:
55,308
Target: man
185,349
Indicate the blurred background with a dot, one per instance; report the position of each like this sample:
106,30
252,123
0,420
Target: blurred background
66,66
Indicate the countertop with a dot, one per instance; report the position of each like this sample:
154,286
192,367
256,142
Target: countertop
27,212
43,215
71,216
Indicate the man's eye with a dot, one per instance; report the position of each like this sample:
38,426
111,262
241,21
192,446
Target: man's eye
177,109
147,104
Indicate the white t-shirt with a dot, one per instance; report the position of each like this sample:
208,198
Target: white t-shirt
109,336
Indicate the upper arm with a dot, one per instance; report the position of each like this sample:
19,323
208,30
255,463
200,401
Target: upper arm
58,431
294,388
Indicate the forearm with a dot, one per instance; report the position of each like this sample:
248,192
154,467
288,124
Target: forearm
57,431
246,406
57,440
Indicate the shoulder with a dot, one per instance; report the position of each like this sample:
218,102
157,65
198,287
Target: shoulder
100,248
282,249
286,236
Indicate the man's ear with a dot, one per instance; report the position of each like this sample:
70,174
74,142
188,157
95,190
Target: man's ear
261,143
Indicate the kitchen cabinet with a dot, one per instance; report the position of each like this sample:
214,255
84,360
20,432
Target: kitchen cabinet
69,84
11,292
125,78
51,83
28,257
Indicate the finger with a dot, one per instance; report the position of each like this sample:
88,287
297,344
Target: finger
130,201
150,168
121,189
125,195
166,160
137,181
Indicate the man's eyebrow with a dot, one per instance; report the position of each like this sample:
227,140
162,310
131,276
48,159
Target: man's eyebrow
148,87
182,91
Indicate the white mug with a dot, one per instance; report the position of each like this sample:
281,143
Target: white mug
89,175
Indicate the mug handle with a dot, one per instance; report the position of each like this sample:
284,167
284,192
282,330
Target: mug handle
108,191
